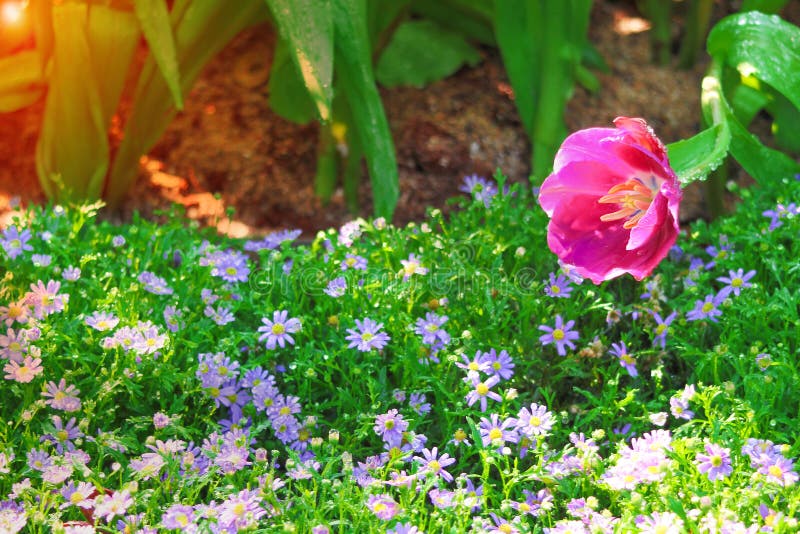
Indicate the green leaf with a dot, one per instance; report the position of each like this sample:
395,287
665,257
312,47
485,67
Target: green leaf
761,47
765,6
764,46
357,81
93,47
154,20
287,94
471,19
747,102
759,161
694,158
520,48
22,82
422,52
786,126
307,26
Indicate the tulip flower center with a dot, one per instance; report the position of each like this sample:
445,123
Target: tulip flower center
633,198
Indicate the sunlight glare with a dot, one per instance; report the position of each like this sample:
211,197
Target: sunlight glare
12,12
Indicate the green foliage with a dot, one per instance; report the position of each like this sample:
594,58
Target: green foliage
422,52
542,44
155,23
93,47
307,29
761,50
755,67
694,158
357,82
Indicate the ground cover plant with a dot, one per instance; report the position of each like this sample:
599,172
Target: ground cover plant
449,376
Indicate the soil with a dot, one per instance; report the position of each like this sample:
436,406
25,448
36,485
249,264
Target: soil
227,149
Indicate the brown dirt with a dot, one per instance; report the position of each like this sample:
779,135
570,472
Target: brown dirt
228,149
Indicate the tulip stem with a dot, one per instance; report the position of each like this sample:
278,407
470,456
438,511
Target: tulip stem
715,191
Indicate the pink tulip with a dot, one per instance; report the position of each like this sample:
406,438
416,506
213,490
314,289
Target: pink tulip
612,201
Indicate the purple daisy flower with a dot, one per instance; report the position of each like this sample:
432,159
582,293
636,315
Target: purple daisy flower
679,407
231,266
430,328
15,242
716,463
390,427
177,516
433,464
154,284
336,287
500,364
481,390
62,434
480,188
417,403
534,421
562,335
559,287
662,328
71,273
412,266
278,330
496,433
736,281
706,309
241,511
383,506
626,360
353,261
368,336
778,470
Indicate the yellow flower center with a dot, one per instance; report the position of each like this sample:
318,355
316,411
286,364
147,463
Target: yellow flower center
278,329
633,198
62,435
434,466
239,509
737,282
534,421
482,389
76,497
555,289
775,471
716,461
367,337
495,433
707,307
231,271
558,334
389,424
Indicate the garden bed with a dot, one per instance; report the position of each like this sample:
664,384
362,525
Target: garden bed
383,379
